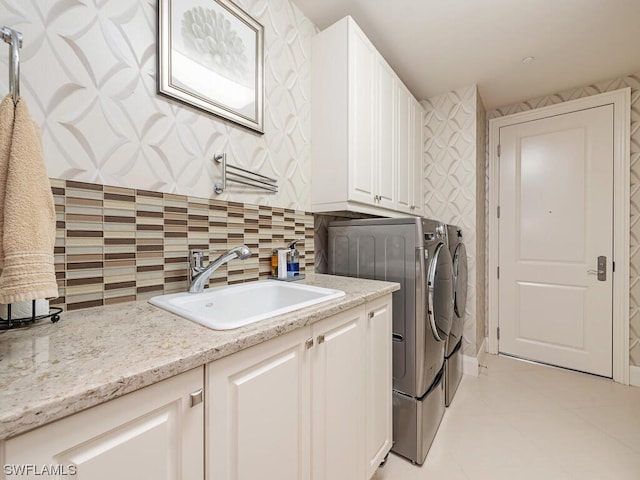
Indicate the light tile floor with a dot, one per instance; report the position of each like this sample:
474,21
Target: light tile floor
521,421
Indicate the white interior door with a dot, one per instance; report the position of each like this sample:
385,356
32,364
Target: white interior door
556,202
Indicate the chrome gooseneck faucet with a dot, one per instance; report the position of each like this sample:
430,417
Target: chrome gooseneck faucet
199,275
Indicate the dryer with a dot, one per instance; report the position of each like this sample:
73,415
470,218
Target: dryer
414,252
453,348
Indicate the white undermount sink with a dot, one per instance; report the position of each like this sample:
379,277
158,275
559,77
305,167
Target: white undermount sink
233,306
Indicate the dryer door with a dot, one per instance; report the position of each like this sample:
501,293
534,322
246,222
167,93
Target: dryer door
440,301
460,280
459,297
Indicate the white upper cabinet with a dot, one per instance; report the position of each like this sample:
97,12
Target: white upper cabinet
386,134
404,149
361,147
409,153
355,140
417,168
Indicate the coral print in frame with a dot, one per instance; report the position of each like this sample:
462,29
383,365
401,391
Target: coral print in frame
211,56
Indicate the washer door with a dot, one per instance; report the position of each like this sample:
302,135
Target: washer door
460,280
440,293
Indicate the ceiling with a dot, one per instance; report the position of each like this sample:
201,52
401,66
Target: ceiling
436,46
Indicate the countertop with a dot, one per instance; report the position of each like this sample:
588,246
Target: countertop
49,371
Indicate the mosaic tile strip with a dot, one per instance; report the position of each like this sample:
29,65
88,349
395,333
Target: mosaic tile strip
116,244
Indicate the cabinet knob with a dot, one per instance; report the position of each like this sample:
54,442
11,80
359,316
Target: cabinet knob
320,339
197,397
309,343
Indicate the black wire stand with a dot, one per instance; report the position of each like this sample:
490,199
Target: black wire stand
9,323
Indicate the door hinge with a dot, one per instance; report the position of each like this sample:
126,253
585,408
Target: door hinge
498,329
613,267
498,272
498,211
499,150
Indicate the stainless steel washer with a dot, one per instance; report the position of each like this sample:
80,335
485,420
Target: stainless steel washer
414,252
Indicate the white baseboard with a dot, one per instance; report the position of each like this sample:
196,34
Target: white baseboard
470,364
634,376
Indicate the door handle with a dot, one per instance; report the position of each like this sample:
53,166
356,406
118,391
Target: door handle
602,269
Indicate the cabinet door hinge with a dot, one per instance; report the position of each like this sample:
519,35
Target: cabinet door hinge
498,272
498,211
498,331
499,150
613,267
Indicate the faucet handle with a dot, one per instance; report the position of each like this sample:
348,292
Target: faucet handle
197,252
195,258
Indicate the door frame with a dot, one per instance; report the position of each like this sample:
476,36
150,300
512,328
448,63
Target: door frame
621,100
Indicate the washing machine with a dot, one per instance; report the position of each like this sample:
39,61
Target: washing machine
414,252
453,347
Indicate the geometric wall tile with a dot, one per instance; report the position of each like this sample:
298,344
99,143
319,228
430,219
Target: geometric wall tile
454,189
88,73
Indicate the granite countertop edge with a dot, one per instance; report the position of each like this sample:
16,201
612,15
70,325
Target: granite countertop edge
39,393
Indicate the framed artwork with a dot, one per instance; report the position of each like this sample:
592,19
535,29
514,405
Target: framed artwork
211,56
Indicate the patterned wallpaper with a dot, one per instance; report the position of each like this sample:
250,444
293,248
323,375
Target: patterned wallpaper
632,81
89,77
454,189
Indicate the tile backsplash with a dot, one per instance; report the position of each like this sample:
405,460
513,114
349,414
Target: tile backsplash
116,244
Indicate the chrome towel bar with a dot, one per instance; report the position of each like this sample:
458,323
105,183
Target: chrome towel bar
13,38
231,173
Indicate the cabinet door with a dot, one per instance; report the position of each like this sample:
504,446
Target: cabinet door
152,433
362,118
378,406
417,159
258,412
386,135
403,148
338,397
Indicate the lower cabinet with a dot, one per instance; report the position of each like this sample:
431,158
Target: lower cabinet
311,404
154,433
379,388
258,412
300,406
338,397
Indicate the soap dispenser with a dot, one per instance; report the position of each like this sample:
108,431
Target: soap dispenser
293,260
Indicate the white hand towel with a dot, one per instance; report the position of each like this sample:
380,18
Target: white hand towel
29,219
